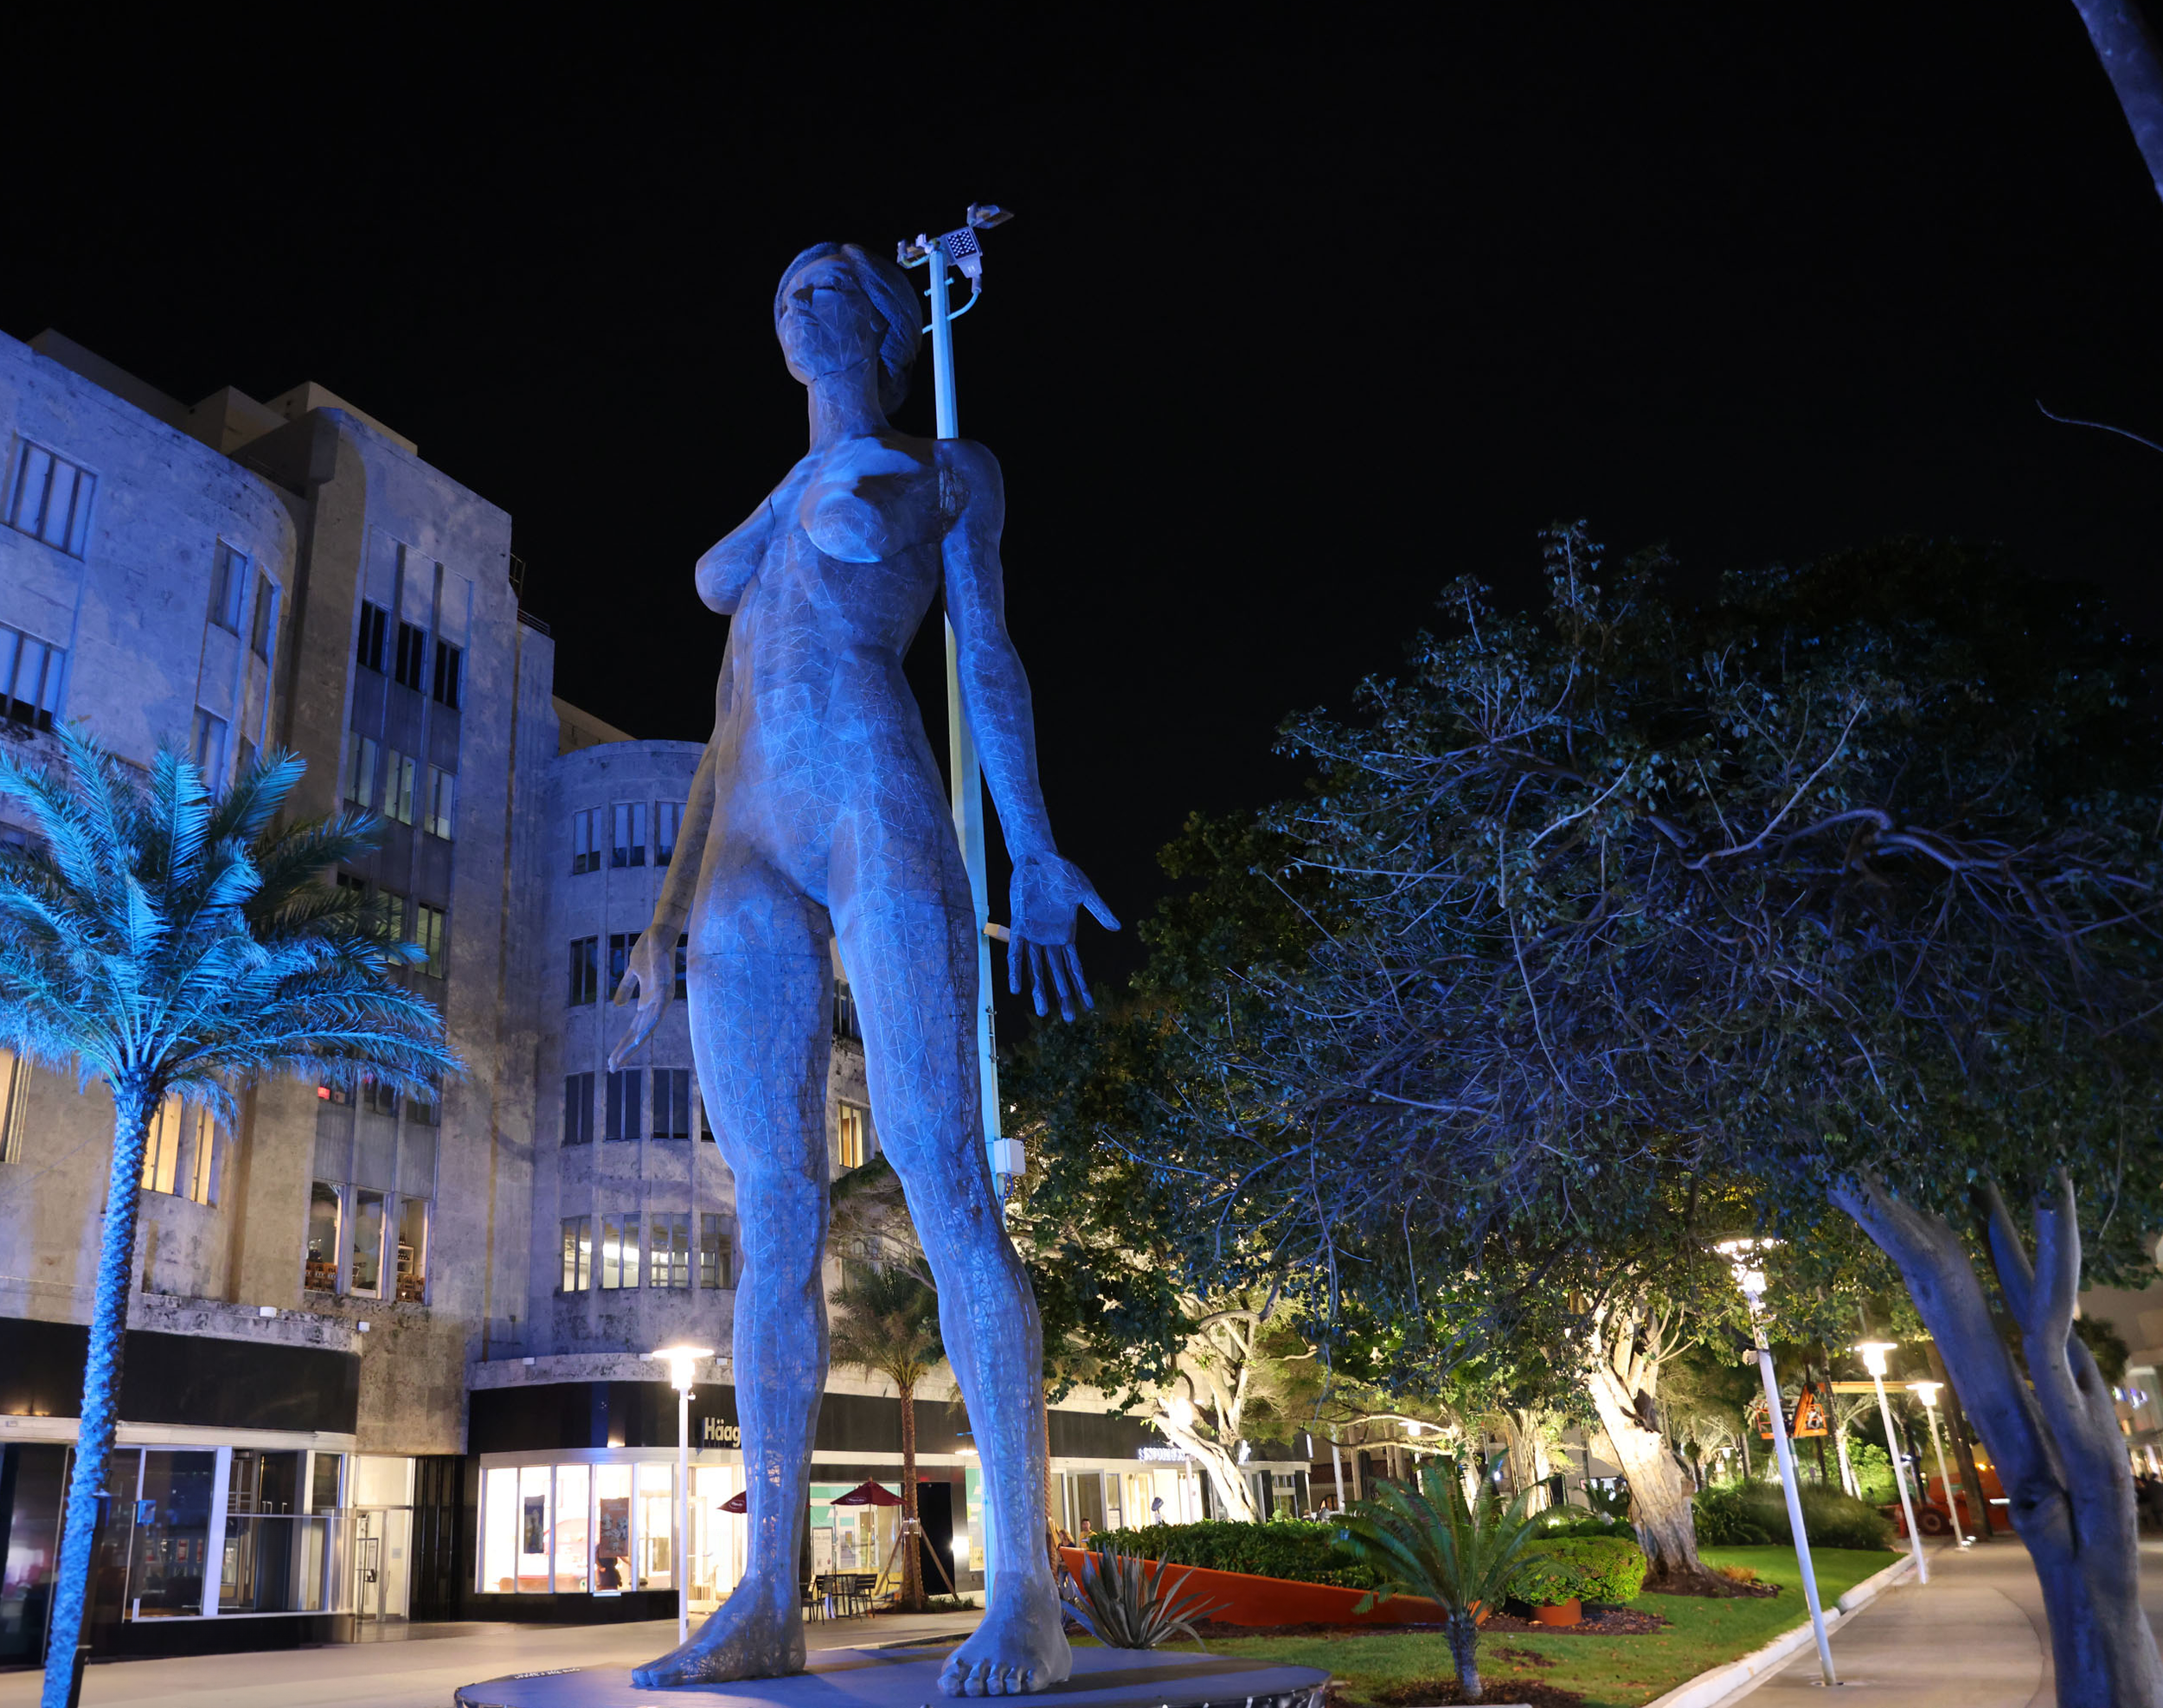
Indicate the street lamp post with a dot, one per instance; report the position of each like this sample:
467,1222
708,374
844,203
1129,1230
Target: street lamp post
1751,1281
1928,1393
1872,1353
682,1362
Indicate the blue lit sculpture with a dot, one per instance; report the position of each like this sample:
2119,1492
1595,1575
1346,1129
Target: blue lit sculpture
817,811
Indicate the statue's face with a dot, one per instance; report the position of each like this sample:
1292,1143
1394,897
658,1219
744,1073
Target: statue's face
828,324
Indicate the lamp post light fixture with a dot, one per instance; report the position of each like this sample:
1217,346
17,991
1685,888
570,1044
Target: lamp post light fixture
1873,1354
1928,1393
683,1361
1749,1278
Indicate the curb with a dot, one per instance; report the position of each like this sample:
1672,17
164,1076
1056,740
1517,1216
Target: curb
1716,1684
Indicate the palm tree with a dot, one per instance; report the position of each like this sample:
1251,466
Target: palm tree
1459,1553
886,1321
172,943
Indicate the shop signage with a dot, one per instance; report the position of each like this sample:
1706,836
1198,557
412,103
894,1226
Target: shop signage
1161,1454
719,1432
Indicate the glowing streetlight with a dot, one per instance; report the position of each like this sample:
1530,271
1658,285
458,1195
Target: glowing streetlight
1873,1354
1750,1278
683,1361
1928,1393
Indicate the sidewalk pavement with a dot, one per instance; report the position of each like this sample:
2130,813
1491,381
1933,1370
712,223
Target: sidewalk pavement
1972,1637
422,1666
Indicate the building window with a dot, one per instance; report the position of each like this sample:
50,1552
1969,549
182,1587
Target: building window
228,588
390,906
584,970
668,818
179,1151
578,1253
15,1090
619,1252
856,1135
266,619
412,1250
360,769
400,774
671,1102
448,660
578,1108
412,653
369,653
425,1108
207,745
365,1278
30,673
705,1126
439,804
49,498
434,939
717,1252
585,851
683,967
620,944
669,1251
623,1105
846,1023
323,1237
629,846
379,1096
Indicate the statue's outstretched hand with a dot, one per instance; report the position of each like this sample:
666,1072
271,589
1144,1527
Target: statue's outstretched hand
1047,892
650,979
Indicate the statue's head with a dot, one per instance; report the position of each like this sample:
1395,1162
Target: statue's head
839,303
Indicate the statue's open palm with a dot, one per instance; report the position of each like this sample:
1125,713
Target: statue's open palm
649,980
1047,893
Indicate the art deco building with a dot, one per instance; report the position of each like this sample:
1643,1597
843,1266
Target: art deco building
386,1355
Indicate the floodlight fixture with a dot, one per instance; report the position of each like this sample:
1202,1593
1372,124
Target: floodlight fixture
1749,1275
986,214
1874,1354
682,1362
1926,1391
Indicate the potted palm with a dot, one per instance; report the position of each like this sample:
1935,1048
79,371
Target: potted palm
168,941
1459,1553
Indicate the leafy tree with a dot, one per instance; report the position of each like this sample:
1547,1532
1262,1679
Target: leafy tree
172,943
886,1320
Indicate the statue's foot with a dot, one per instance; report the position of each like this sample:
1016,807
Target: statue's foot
1019,1648
748,1636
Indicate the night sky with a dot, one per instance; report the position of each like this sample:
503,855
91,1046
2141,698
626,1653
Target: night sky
1295,322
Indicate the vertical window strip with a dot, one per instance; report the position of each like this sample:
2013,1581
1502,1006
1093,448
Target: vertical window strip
30,672
578,1253
14,1089
49,498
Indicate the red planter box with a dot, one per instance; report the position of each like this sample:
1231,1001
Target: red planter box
1248,1600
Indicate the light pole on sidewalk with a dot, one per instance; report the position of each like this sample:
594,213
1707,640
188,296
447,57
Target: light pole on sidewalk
1742,1258
1872,1353
1928,1393
682,1362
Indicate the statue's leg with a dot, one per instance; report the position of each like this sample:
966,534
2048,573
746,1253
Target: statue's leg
761,989
909,946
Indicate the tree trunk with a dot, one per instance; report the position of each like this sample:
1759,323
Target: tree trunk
912,1563
1463,1649
2054,1436
1659,1493
1526,1447
1963,1454
100,1388
2130,57
1232,1492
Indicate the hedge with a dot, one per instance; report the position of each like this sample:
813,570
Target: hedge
1283,1548
1752,1514
1598,1569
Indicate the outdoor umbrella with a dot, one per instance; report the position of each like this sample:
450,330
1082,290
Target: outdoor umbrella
735,1502
869,1494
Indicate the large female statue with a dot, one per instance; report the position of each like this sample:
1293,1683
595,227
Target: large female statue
817,811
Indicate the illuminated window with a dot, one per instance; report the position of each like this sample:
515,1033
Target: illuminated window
15,1090
668,818
434,937
573,1483
669,1251
856,1135
180,1151
49,498
671,1102
578,1108
578,1253
440,806
499,1530
323,1237
619,1251
412,1250
628,846
401,773
585,851
228,588
584,970
390,906
359,768
717,1252
365,1277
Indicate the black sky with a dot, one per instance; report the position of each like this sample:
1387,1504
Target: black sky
1299,319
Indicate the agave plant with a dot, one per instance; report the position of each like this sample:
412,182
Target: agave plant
1126,1605
1433,1542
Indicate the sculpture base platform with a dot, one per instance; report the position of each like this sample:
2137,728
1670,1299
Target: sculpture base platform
863,1678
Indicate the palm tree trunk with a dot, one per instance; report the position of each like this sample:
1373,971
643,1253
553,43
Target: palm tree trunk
1463,1649
100,1389
912,1564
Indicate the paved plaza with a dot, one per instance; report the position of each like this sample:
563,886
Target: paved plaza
1972,1637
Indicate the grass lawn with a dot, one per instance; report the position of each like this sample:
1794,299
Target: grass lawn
1611,1671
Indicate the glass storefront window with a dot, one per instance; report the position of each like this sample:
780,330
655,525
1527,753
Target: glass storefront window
612,1535
172,1534
262,1567
656,1524
717,1536
535,1569
368,1244
574,1486
499,1530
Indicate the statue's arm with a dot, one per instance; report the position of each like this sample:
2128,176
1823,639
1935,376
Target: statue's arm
727,568
650,979
1048,889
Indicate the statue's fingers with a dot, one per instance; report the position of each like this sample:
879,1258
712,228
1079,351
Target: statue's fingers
1038,982
1016,950
1058,957
1094,903
1073,970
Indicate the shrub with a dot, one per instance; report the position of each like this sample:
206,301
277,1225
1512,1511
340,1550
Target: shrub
1126,1606
1303,1553
1755,1514
1546,1580
1575,1521
1606,1568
